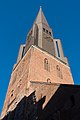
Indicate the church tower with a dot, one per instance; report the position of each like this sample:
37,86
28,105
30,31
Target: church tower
41,66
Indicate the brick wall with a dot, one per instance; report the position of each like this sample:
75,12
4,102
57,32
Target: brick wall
32,67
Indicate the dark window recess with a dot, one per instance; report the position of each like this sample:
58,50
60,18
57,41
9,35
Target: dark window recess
57,49
48,80
12,90
23,52
58,68
49,33
44,29
11,94
46,64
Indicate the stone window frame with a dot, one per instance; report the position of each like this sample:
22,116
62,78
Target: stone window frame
12,95
12,92
49,33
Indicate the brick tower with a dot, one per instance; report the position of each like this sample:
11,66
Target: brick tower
41,66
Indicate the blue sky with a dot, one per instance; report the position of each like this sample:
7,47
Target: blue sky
17,17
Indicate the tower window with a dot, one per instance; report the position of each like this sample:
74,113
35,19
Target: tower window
46,64
44,29
58,68
23,52
57,49
49,33
11,94
48,80
59,72
12,91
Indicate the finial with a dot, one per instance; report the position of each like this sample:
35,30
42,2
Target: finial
40,7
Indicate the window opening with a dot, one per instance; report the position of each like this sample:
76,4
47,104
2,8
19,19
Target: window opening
44,29
49,33
11,94
57,49
46,64
48,80
59,72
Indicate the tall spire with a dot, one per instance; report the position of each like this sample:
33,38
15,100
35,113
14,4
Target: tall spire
41,35
41,18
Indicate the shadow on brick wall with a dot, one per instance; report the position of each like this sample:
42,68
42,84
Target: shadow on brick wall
64,105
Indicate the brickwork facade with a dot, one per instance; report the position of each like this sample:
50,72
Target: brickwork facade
32,68
40,67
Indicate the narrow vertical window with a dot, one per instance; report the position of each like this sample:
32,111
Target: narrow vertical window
50,33
12,95
46,31
23,52
43,29
46,64
48,80
59,72
57,49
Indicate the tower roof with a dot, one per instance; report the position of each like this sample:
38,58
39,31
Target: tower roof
41,18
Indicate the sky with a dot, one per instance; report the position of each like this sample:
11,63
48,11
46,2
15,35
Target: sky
16,19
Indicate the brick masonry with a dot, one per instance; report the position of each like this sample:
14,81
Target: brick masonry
41,67
31,69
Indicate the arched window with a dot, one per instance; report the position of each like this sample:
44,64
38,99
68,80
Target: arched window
57,46
47,31
50,33
12,91
58,68
11,94
48,80
46,64
59,72
44,29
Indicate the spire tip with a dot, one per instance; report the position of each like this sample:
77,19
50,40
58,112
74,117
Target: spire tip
40,7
